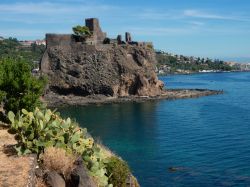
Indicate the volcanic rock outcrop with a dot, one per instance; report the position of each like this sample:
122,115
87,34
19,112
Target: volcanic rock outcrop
99,65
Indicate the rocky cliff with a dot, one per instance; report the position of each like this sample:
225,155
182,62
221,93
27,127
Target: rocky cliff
74,68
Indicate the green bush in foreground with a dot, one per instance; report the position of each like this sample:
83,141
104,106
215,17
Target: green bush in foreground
18,88
38,130
117,171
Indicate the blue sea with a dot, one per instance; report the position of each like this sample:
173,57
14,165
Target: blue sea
206,140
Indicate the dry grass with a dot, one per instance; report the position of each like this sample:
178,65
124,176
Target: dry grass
40,183
56,159
14,171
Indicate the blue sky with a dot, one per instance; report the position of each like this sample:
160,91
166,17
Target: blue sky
208,28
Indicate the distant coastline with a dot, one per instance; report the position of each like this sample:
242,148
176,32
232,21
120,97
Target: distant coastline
201,72
169,63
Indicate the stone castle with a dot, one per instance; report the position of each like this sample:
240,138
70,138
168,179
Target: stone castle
98,65
98,37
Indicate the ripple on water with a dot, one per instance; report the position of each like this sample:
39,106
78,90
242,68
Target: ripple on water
206,139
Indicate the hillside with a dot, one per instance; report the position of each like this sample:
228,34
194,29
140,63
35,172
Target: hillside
12,48
170,64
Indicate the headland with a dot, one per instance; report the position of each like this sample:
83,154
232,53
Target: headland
92,68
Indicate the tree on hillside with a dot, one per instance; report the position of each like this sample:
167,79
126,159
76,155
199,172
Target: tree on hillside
7,46
18,88
81,31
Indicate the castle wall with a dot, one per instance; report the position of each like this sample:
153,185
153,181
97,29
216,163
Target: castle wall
58,39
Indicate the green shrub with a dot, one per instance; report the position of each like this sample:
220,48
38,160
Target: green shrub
38,130
81,31
117,171
18,88
150,46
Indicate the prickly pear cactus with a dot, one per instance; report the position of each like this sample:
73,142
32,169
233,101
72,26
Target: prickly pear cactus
34,131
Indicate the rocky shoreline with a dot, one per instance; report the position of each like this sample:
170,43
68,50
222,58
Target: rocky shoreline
54,100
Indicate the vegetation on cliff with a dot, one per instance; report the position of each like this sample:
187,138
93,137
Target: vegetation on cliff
37,130
118,171
18,88
81,31
41,129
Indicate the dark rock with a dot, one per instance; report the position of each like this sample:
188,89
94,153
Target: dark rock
39,172
106,41
175,169
118,71
53,179
79,176
33,165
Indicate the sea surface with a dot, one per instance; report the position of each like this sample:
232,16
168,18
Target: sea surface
206,141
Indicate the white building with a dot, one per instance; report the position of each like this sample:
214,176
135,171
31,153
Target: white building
26,43
40,42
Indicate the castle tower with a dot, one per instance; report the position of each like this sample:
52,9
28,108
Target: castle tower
128,37
94,27
119,39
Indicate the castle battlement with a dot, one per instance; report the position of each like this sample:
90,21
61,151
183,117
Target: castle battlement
58,39
97,37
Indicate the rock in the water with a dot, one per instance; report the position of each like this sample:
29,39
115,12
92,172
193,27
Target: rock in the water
175,169
79,176
111,70
53,179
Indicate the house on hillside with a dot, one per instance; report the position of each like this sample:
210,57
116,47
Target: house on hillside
26,43
40,42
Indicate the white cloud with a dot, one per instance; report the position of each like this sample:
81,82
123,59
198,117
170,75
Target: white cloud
157,15
193,28
205,15
36,20
188,14
52,12
46,8
199,14
48,15
27,32
196,23
161,31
